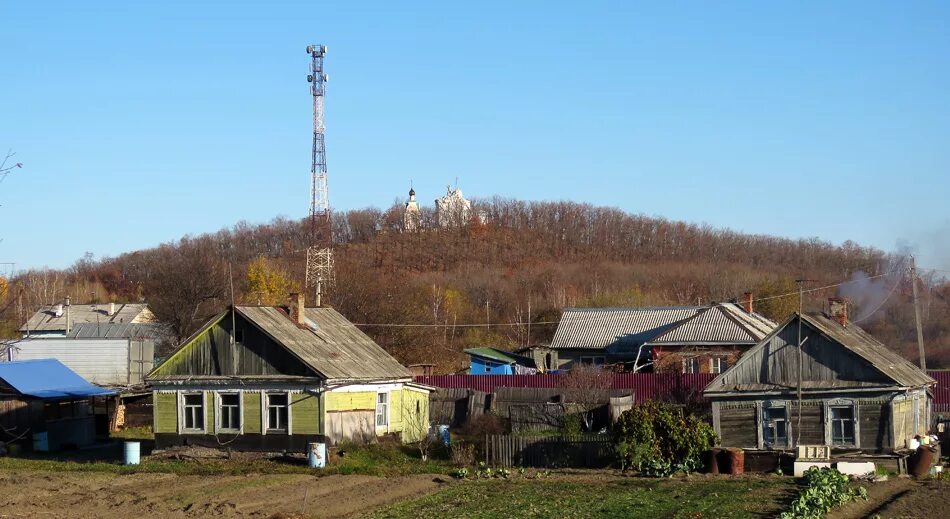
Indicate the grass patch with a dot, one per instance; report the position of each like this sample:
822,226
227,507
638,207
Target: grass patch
608,497
375,460
134,433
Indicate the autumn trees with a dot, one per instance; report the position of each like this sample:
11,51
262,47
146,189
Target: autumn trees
479,285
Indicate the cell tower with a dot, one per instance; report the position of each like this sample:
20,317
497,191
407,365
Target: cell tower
319,251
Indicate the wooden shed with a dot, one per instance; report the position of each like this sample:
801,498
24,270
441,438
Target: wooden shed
275,378
841,387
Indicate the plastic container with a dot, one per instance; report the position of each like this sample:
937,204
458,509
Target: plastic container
132,453
444,434
41,441
316,455
913,443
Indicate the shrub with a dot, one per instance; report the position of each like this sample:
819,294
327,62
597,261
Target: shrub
824,490
463,454
660,439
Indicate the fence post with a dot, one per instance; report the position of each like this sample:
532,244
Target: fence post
486,450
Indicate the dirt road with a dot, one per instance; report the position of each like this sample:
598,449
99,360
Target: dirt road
92,495
900,498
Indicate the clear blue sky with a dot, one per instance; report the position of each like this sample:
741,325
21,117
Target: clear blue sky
139,124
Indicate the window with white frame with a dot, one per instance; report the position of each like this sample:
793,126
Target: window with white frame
277,411
690,365
229,411
193,410
775,426
717,364
842,425
382,409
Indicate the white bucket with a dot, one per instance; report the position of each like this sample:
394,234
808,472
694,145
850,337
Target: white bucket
317,455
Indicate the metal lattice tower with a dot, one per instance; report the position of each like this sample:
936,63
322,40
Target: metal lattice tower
319,251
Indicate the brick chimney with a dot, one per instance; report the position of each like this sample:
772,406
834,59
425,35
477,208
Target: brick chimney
838,310
297,308
747,302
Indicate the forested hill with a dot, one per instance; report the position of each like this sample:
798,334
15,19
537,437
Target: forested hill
518,262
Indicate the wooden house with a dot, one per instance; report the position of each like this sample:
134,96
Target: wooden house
841,387
677,339
46,406
275,378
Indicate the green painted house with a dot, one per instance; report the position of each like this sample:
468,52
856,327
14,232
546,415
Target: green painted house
276,378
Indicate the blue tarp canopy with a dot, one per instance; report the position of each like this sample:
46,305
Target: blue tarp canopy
48,379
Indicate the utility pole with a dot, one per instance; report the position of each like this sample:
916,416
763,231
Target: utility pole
920,329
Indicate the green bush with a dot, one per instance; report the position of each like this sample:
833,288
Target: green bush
660,439
824,490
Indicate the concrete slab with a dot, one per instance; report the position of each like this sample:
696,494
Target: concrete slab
855,468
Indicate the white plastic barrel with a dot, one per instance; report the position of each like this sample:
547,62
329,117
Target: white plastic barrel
132,453
317,455
41,441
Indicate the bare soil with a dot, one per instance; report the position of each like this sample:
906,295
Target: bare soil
94,495
900,498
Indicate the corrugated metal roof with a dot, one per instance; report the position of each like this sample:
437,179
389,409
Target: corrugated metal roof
335,348
624,328
47,379
118,331
501,356
46,320
722,323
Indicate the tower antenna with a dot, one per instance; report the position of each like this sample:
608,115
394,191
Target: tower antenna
319,250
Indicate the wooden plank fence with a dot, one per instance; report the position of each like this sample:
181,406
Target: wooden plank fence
583,451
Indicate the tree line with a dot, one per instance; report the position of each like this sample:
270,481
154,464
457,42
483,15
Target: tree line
513,262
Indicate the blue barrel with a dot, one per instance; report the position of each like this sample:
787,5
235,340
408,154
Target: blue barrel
132,453
317,455
444,434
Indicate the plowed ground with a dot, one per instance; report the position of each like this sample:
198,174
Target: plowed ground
94,495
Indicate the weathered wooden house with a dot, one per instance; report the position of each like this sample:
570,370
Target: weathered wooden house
275,378
856,394
678,339
46,406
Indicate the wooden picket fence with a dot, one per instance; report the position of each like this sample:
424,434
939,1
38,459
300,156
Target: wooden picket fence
581,451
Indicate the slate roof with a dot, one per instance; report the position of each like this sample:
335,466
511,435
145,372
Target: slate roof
329,344
863,344
47,379
118,331
851,338
628,328
46,320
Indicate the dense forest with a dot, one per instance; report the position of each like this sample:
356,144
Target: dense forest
500,279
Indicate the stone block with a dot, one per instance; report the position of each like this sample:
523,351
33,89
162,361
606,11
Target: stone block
855,468
800,467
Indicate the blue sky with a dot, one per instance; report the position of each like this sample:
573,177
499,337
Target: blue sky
138,124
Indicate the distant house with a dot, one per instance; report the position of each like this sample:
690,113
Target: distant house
46,406
684,339
855,392
492,361
106,354
280,377
60,319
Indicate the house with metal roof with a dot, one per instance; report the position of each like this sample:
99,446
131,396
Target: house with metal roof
59,320
820,380
276,378
686,339
492,361
46,406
